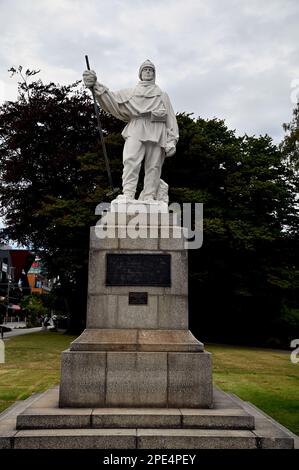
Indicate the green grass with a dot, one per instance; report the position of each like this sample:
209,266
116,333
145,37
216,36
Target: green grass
32,364
264,377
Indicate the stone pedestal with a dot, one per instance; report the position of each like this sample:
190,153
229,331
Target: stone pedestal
137,378
137,350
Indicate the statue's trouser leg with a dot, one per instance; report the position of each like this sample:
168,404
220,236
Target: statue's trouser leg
133,155
154,158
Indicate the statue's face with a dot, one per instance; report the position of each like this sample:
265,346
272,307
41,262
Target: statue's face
147,73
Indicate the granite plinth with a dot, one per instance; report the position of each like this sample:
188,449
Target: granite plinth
135,379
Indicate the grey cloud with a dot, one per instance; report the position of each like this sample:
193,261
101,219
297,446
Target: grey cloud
234,60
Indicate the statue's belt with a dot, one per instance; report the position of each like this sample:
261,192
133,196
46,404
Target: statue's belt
152,116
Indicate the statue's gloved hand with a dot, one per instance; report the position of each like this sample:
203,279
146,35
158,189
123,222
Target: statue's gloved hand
89,78
170,149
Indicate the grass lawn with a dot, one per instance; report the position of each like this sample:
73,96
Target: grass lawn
266,378
32,364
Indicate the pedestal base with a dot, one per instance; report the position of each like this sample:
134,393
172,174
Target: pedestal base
135,379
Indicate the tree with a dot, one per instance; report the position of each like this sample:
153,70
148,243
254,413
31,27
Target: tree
34,309
243,279
52,177
244,276
290,143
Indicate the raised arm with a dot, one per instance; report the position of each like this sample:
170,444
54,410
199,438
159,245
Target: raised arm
104,96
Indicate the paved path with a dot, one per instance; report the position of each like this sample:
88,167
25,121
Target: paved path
20,331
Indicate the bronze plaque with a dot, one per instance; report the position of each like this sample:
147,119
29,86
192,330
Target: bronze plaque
137,298
138,270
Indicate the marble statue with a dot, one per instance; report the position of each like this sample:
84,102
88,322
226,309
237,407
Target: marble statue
151,133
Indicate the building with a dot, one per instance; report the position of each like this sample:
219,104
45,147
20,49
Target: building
14,266
37,277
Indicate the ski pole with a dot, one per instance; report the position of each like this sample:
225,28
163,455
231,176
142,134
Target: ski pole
99,127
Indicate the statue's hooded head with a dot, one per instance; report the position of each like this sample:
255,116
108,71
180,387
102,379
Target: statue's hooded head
147,63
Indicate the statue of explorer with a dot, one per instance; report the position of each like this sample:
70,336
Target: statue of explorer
151,133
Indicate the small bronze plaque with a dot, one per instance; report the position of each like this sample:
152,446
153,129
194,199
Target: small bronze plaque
138,270
137,298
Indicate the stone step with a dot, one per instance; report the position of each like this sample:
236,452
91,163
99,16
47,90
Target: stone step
44,413
8,419
19,406
134,439
104,418
267,434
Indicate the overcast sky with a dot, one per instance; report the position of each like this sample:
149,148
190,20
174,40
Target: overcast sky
232,59
236,60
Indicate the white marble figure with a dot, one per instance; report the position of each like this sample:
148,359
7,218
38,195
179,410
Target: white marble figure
151,133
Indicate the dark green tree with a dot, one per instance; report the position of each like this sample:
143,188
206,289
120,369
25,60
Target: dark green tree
290,143
243,279
52,176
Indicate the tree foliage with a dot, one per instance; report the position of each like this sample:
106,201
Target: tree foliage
290,144
52,176
34,309
243,279
246,274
